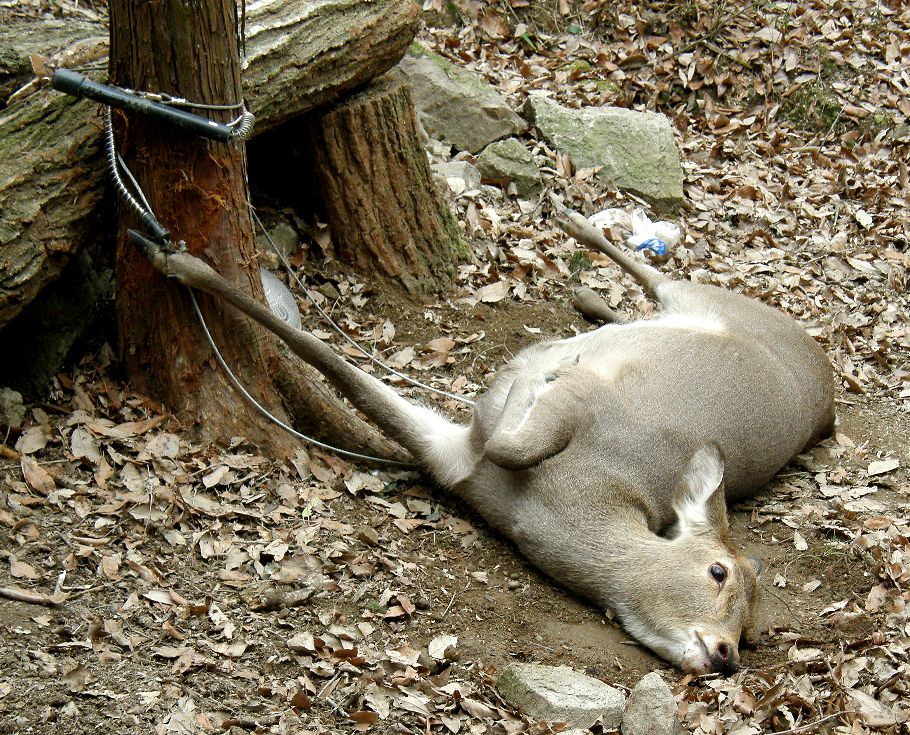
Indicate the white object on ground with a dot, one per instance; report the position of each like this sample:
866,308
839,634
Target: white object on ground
655,236
280,300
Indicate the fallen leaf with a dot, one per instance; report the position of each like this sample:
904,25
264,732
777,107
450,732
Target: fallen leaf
873,712
302,643
494,24
881,467
163,445
493,292
401,358
36,477
216,476
161,596
84,446
440,344
440,645
22,570
33,439
864,219
477,709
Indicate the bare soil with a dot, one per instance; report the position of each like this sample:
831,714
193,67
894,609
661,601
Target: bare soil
109,657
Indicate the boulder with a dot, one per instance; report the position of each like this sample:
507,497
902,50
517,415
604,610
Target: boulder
457,106
460,176
651,709
636,151
561,694
509,160
285,239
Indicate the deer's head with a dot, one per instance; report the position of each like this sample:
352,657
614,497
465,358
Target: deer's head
692,595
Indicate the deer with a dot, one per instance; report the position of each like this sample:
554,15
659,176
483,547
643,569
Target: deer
608,457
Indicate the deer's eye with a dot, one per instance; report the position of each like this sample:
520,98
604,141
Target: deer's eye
718,573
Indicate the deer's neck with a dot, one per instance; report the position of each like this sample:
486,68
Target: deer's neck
600,557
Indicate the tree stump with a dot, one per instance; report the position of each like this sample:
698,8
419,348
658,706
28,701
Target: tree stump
376,190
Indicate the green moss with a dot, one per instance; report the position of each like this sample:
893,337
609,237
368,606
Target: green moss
605,85
814,108
579,262
876,123
829,65
420,51
577,65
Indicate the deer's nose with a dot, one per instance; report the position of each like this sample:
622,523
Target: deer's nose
723,656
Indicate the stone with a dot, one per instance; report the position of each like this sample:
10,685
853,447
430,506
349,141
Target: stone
636,151
286,239
12,409
508,160
651,709
561,694
460,176
455,105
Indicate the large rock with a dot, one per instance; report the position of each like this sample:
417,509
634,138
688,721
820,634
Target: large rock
651,709
460,176
509,160
635,150
561,694
457,106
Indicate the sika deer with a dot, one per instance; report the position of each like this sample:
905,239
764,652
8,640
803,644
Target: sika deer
607,457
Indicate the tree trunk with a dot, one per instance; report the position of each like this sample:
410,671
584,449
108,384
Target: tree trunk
197,188
377,192
309,54
52,179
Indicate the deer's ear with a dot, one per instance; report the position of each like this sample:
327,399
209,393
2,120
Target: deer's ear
534,424
699,500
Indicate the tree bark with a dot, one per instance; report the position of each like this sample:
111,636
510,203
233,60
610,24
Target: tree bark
376,189
197,188
52,178
309,54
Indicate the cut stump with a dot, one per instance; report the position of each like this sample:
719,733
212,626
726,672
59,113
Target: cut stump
377,192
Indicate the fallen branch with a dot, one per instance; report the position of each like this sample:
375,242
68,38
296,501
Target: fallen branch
33,598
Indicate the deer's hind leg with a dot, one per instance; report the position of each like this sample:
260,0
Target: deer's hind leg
593,308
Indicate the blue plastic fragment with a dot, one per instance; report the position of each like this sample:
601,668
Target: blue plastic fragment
655,245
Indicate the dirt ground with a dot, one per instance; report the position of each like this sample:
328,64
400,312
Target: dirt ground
157,632
173,587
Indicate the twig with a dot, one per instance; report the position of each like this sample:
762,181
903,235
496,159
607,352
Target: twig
33,598
449,606
809,726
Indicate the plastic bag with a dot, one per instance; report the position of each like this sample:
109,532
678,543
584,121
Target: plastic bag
657,237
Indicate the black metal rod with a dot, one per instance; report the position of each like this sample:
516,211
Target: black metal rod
71,82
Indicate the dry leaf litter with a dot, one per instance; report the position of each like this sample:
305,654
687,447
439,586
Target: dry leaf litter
178,588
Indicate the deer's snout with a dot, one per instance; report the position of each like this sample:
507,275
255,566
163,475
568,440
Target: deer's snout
723,656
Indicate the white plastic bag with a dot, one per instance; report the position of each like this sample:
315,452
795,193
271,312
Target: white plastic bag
657,237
